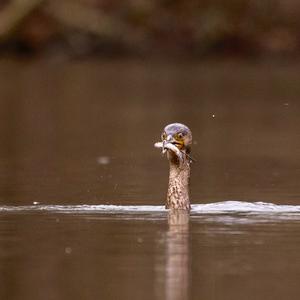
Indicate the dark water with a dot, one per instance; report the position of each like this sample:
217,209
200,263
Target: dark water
83,134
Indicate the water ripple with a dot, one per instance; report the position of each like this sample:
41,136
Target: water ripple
225,207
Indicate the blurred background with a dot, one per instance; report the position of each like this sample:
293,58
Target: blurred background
86,87
139,28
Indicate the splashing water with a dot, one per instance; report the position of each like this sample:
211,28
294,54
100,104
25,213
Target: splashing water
225,207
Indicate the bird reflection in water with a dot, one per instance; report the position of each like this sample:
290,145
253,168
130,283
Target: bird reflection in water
174,270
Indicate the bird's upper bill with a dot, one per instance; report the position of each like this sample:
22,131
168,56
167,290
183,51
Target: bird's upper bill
177,138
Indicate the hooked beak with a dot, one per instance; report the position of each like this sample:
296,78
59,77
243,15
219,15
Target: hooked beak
173,141
165,142
170,144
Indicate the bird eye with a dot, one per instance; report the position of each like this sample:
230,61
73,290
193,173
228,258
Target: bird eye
180,135
163,136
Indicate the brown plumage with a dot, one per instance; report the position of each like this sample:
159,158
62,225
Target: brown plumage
176,141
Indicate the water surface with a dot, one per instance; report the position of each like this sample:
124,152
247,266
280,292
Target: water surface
82,187
149,254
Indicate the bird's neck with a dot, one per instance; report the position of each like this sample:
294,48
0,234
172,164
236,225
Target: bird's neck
179,180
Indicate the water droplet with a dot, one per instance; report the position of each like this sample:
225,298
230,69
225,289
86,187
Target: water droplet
103,160
68,250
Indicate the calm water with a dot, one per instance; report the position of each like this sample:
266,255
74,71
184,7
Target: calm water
77,134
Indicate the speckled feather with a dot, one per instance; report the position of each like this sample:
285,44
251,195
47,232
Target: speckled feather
178,188
180,161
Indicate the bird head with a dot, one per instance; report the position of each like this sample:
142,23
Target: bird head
178,135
